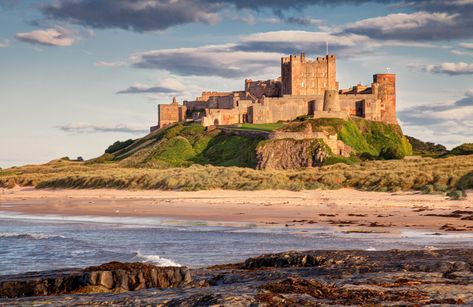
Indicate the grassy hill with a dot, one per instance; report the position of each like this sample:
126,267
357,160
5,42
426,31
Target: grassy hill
182,145
188,157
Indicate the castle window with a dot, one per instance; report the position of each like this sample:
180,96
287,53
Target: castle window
302,84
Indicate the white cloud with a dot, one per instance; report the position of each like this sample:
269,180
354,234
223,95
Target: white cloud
217,60
111,64
449,124
460,68
91,128
418,26
57,36
401,21
254,55
467,45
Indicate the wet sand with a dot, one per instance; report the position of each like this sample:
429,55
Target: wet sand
348,209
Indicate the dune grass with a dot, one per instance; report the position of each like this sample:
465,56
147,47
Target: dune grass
423,174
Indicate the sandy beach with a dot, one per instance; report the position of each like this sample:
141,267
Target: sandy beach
352,210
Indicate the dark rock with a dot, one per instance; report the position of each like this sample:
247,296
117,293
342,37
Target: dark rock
110,277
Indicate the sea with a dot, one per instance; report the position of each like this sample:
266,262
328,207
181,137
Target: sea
47,242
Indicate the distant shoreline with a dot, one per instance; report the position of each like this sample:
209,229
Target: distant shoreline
347,210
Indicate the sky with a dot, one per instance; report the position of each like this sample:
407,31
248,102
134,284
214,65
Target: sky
77,75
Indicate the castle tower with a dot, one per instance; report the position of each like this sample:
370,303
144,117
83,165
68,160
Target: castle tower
386,92
300,76
331,101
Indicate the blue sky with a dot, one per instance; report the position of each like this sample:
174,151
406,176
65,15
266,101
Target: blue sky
78,75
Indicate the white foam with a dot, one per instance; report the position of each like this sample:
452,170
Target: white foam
155,259
30,236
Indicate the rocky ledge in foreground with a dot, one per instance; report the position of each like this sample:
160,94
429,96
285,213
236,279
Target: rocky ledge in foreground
109,277
313,278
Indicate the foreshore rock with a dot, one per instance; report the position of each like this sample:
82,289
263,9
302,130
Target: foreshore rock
109,277
311,278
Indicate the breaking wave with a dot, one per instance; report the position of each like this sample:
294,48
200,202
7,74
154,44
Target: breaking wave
29,236
154,259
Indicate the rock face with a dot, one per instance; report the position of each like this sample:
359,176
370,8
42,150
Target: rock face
110,277
290,154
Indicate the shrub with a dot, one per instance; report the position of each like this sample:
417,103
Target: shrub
457,195
118,145
428,189
391,153
465,149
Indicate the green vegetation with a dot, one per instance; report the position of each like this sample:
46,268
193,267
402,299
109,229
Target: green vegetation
183,145
118,145
465,149
261,127
365,137
426,148
423,174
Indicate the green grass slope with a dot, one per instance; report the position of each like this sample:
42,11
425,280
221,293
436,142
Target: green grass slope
182,145
364,136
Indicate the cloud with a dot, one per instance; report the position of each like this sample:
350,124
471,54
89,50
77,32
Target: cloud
467,46
150,15
167,86
57,36
136,15
4,43
111,64
448,124
214,60
311,42
258,54
467,101
418,26
433,20
452,69
90,128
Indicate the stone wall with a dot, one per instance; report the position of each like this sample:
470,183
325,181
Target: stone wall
274,109
214,117
331,140
268,88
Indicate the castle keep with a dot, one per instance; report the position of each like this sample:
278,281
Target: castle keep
306,87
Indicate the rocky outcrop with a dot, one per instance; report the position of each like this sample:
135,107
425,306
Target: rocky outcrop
309,278
290,154
110,277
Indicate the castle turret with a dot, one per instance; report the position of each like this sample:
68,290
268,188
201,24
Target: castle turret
386,92
331,101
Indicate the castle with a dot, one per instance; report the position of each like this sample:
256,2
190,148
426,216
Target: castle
306,87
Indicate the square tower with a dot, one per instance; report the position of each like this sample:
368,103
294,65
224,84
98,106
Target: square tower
300,76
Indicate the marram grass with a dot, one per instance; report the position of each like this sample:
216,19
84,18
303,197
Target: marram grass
423,174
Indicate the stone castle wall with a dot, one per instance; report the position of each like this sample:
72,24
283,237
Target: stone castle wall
268,88
306,87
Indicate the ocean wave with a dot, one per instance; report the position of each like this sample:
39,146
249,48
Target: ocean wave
29,236
154,259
